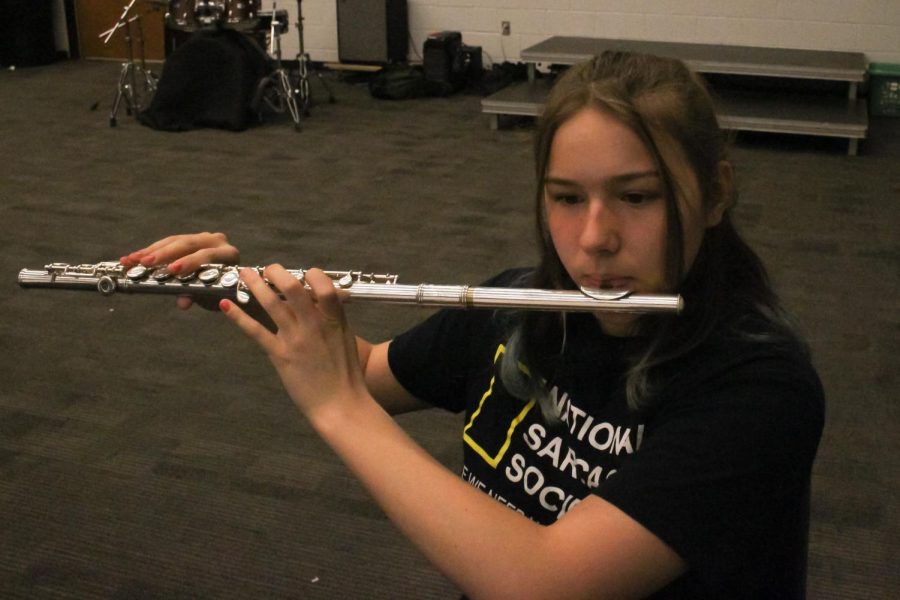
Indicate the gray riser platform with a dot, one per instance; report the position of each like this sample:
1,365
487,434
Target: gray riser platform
743,111
711,58
797,114
774,112
525,99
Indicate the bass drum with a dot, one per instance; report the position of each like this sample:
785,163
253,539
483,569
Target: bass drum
180,15
242,14
209,13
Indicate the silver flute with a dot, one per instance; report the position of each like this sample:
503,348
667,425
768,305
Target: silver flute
223,281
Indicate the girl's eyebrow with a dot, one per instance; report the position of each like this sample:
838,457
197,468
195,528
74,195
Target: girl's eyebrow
615,179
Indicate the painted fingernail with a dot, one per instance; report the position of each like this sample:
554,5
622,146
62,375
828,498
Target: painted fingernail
174,267
224,306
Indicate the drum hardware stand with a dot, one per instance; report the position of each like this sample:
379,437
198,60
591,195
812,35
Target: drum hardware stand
304,62
127,87
275,89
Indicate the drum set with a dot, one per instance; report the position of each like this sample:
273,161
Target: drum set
193,15
280,91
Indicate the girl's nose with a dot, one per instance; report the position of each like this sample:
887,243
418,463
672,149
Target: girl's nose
600,232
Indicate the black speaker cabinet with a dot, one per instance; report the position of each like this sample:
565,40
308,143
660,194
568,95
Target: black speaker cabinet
372,31
26,33
441,60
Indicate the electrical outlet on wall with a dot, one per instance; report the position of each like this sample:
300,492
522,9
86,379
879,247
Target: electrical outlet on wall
504,27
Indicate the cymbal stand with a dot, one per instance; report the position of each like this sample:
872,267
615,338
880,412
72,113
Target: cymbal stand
127,88
276,89
304,62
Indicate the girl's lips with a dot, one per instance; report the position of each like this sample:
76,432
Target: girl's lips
607,283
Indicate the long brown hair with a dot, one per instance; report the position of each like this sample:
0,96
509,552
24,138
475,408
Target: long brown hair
670,109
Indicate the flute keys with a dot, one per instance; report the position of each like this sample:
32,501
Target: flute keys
161,274
210,275
136,272
229,279
184,278
242,294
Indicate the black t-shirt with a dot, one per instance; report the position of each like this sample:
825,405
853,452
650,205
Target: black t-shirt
719,469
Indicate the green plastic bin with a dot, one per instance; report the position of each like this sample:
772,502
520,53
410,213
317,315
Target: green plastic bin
884,90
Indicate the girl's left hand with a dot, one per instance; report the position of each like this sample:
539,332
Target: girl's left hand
313,350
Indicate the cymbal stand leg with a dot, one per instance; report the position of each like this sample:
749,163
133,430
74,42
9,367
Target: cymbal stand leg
287,90
276,90
127,89
302,88
127,86
122,91
150,79
304,61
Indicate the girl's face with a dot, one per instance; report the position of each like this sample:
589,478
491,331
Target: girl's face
605,208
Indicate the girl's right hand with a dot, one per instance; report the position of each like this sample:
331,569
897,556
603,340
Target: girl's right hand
185,253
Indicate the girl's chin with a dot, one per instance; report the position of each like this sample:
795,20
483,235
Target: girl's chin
617,324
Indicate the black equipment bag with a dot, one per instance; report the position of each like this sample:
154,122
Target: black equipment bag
209,81
398,82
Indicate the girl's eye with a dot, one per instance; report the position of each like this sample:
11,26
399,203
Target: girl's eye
639,197
566,198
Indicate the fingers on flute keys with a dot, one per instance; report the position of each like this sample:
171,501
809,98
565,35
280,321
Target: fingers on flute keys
324,293
321,295
280,312
274,308
185,253
136,257
320,292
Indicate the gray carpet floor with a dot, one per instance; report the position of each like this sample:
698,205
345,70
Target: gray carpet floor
150,453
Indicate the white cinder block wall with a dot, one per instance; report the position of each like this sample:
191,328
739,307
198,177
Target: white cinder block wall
868,26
